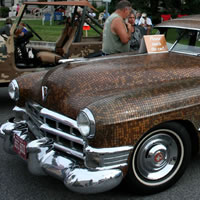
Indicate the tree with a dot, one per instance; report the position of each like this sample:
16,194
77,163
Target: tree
191,7
155,8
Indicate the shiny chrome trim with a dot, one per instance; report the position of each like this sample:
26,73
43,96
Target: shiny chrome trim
91,182
44,93
56,165
39,116
5,127
178,27
107,158
69,151
116,166
58,117
150,172
44,160
62,134
18,109
186,53
14,85
108,150
72,60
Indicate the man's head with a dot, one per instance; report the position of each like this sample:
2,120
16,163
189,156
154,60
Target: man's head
144,15
138,14
125,7
8,21
131,18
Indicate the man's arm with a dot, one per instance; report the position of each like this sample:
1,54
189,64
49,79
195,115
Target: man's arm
119,28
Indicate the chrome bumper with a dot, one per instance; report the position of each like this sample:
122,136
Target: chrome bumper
44,160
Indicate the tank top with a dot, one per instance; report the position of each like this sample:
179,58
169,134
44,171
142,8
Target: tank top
111,42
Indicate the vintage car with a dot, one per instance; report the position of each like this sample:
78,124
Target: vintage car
19,55
95,122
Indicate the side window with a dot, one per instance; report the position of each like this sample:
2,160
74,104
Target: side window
171,36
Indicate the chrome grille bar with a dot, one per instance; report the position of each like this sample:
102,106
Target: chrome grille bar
63,130
68,151
58,117
56,132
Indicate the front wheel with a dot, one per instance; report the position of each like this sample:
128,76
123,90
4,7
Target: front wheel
159,159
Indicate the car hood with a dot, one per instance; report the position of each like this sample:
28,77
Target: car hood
74,86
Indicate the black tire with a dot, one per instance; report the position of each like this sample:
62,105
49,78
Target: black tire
159,159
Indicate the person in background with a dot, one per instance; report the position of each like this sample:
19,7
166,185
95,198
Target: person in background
17,9
117,33
21,30
100,18
146,23
105,15
138,16
6,28
136,33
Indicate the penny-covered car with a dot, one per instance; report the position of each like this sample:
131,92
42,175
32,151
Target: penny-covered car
29,52
96,122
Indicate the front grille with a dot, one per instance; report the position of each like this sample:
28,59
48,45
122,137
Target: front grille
61,129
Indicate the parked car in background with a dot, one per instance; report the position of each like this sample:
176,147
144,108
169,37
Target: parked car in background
19,55
95,122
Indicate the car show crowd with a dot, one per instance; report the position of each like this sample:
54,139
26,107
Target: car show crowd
123,29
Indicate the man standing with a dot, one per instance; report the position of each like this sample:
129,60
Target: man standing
138,16
117,33
6,29
146,23
17,9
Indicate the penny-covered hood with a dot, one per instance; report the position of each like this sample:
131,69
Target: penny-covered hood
70,87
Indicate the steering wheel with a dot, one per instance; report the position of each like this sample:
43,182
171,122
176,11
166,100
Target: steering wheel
31,29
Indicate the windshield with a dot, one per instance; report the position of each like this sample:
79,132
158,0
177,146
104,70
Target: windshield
183,41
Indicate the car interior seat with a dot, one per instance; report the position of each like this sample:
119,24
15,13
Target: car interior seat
62,46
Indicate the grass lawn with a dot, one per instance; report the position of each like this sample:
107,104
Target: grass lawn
49,32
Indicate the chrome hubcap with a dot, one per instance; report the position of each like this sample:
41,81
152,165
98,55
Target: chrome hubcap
157,156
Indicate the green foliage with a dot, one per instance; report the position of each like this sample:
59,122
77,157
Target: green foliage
191,7
155,8
4,11
94,4
101,9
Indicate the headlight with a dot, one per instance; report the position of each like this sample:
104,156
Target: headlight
13,90
86,123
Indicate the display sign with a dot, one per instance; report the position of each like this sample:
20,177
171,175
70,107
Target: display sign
86,28
153,44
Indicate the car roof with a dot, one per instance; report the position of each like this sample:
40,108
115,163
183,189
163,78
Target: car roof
191,22
62,3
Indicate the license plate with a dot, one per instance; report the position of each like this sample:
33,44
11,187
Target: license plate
20,146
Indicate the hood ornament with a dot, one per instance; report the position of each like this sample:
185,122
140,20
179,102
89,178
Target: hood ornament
44,93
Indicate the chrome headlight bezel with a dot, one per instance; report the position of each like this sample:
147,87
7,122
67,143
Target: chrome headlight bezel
13,90
86,123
